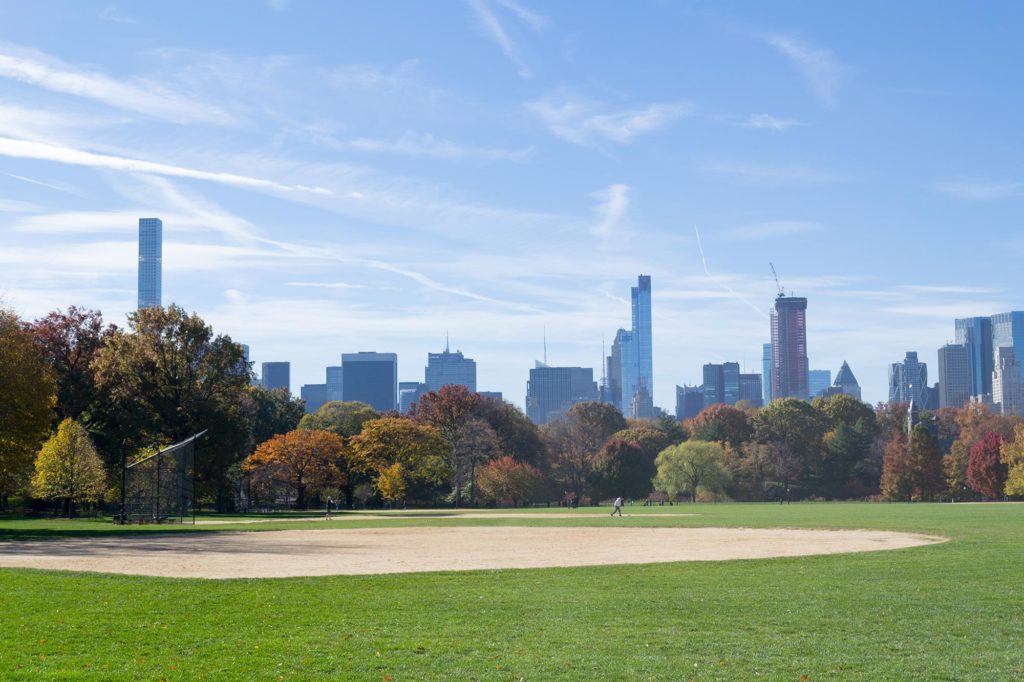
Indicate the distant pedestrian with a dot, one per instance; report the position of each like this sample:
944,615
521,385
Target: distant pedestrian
618,507
330,503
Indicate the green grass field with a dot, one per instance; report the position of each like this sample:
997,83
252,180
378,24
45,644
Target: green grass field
953,611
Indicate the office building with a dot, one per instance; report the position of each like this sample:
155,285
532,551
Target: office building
630,364
314,395
766,372
492,395
789,375
689,401
908,381
276,375
643,404
151,238
1007,331
335,383
551,391
721,383
371,378
845,382
450,368
818,381
1007,391
751,391
975,334
410,392
954,375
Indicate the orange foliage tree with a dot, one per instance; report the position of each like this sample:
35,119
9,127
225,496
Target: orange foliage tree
305,461
506,480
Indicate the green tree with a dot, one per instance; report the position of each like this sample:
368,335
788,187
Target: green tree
68,468
169,377
270,412
343,418
27,397
845,409
800,428
690,467
846,449
418,448
623,467
302,460
925,459
721,423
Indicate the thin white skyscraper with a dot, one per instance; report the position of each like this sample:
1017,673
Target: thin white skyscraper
151,237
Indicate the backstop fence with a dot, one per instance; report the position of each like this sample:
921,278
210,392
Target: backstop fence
161,487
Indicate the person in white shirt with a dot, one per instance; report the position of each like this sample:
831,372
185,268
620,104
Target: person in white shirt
618,507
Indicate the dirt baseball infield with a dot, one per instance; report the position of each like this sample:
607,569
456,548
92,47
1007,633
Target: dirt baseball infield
332,551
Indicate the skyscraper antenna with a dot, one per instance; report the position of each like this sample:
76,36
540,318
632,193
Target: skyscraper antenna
447,346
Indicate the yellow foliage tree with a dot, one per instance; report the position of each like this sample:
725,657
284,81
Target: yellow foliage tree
391,483
396,452
1012,454
68,468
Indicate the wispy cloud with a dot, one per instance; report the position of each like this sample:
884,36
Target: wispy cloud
772,229
611,211
768,174
769,122
983,190
16,206
426,145
140,96
113,14
496,31
819,67
585,122
55,185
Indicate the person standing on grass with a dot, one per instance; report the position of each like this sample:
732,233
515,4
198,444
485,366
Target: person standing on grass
618,506
330,503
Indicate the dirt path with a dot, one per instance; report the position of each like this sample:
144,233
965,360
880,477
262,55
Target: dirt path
288,553
396,516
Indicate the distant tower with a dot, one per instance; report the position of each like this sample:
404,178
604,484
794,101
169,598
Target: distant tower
151,237
789,348
846,382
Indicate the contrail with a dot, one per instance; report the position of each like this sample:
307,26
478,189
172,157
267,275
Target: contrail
707,271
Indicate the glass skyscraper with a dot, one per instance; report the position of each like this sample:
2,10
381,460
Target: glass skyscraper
450,368
151,237
631,363
1007,332
975,333
371,378
766,374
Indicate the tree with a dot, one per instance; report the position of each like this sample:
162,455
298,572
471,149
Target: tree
27,397
1012,455
986,472
517,435
302,460
475,444
925,459
69,342
270,412
343,418
169,377
623,467
800,428
68,468
445,409
846,448
897,471
418,448
721,423
691,466
574,441
845,409
505,480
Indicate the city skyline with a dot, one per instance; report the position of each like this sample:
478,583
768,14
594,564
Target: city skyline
497,172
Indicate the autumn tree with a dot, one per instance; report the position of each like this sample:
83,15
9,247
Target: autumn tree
517,435
169,377
507,481
690,467
69,342
303,460
475,445
445,409
575,439
418,448
925,459
897,471
986,472
27,397
721,423
343,418
69,469
1012,454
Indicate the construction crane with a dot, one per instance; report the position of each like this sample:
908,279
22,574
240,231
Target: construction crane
777,285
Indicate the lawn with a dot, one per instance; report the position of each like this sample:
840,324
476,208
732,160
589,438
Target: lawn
953,611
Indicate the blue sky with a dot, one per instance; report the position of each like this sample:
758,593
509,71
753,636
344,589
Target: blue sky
336,177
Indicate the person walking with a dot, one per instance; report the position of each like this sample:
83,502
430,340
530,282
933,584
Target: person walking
618,507
330,503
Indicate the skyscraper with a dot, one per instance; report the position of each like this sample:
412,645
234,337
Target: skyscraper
818,380
908,380
151,238
789,348
410,392
335,383
954,375
1008,331
975,333
276,375
845,381
450,368
1007,391
314,395
371,378
766,372
751,390
689,401
551,391
631,363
